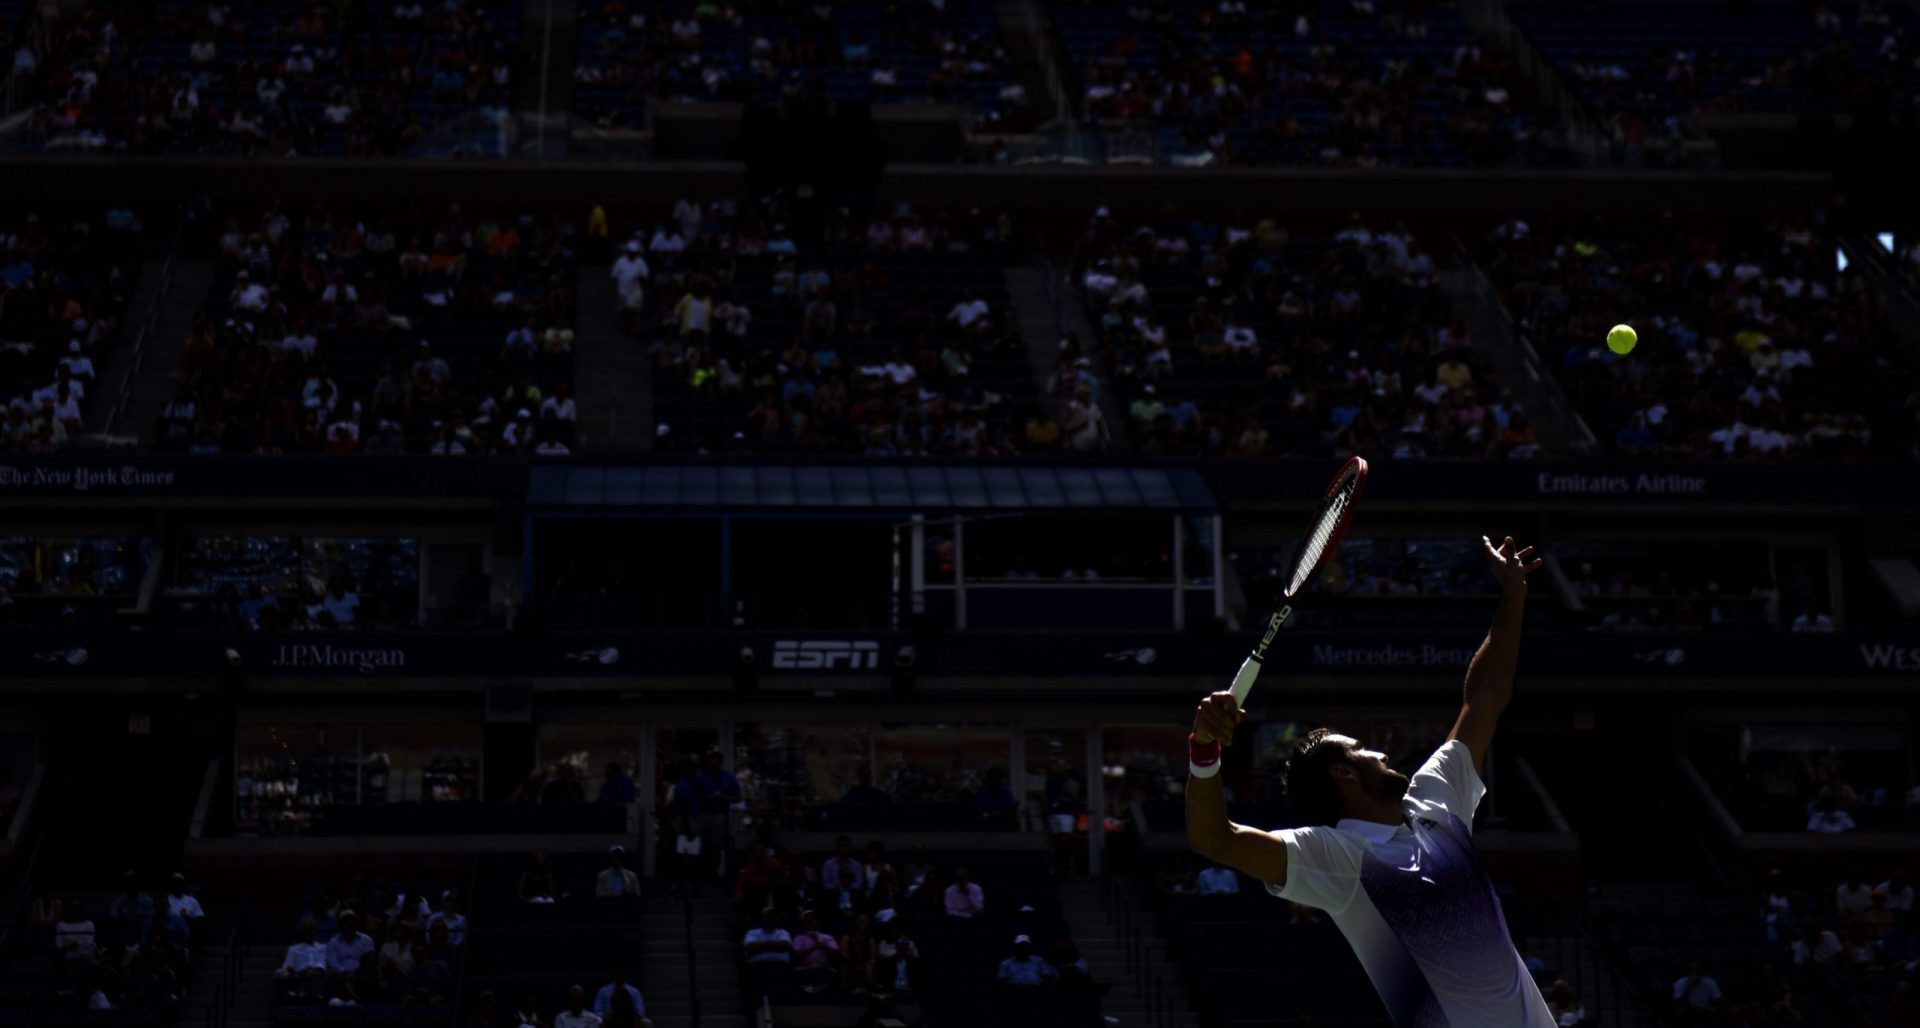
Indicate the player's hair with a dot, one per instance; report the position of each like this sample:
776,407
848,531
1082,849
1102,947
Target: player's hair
1309,788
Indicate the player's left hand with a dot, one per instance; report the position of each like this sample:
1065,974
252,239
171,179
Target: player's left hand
1512,563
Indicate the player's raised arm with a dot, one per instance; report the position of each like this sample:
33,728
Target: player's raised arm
1260,854
1490,676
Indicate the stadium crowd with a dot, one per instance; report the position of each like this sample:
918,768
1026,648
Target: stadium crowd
64,288
1244,338
130,953
367,332
887,335
1752,345
883,51
1363,83
277,78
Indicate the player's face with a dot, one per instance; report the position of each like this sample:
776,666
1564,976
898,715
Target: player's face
1380,781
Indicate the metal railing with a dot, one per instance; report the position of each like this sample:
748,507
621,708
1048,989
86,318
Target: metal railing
148,325
1136,944
1539,377
227,982
466,958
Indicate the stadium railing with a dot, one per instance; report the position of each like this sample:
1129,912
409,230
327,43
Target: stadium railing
149,324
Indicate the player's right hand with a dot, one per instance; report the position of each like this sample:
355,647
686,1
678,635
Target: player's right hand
1216,718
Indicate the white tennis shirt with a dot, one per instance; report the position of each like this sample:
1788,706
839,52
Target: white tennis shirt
1417,907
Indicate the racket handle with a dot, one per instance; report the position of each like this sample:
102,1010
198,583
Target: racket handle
1243,679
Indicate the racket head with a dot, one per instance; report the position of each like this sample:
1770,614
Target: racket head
1329,524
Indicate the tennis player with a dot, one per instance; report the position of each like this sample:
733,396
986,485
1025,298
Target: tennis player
1391,858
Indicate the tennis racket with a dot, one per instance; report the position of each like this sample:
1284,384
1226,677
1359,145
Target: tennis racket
1329,524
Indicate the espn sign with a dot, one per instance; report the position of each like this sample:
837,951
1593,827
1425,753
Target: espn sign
834,655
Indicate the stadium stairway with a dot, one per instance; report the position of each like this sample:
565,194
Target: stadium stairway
253,994
1099,941
664,981
1043,323
544,79
151,386
1033,50
1575,959
1558,426
615,378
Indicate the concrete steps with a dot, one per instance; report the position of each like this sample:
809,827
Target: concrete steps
1132,1000
613,379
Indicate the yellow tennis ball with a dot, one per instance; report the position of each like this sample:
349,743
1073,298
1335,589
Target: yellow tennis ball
1620,339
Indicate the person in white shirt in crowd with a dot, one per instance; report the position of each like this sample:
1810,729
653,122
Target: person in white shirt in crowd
306,958
576,1015
968,311
560,406
1854,896
521,343
1697,990
1219,881
615,880
450,915
630,276
248,296
77,363
964,898
1829,819
1899,892
73,934
348,945
183,905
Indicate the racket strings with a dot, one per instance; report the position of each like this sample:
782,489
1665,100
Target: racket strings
1316,543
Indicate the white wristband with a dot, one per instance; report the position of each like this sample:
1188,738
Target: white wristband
1203,770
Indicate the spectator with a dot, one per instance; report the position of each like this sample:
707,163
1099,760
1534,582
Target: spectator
993,802
73,933
964,898
896,959
615,880
618,786
625,1012
1565,1006
857,954
769,952
536,882
603,1000
1179,879
1899,893
841,877
816,954
1026,969
526,1016
1829,819
1218,881
1696,991
182,907
451,917
1854,896
576,1015
348,945
131,912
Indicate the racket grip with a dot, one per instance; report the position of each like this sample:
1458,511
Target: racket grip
1243,679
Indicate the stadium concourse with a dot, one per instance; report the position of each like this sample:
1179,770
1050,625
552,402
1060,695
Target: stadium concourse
543,515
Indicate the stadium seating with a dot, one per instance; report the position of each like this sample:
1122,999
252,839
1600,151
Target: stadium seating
1307,83
866,50
853,346
67,277
1752,345
1662,59
281,77
445,333
1246,339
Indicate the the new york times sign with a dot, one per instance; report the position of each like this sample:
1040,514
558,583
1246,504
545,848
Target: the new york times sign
90,479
